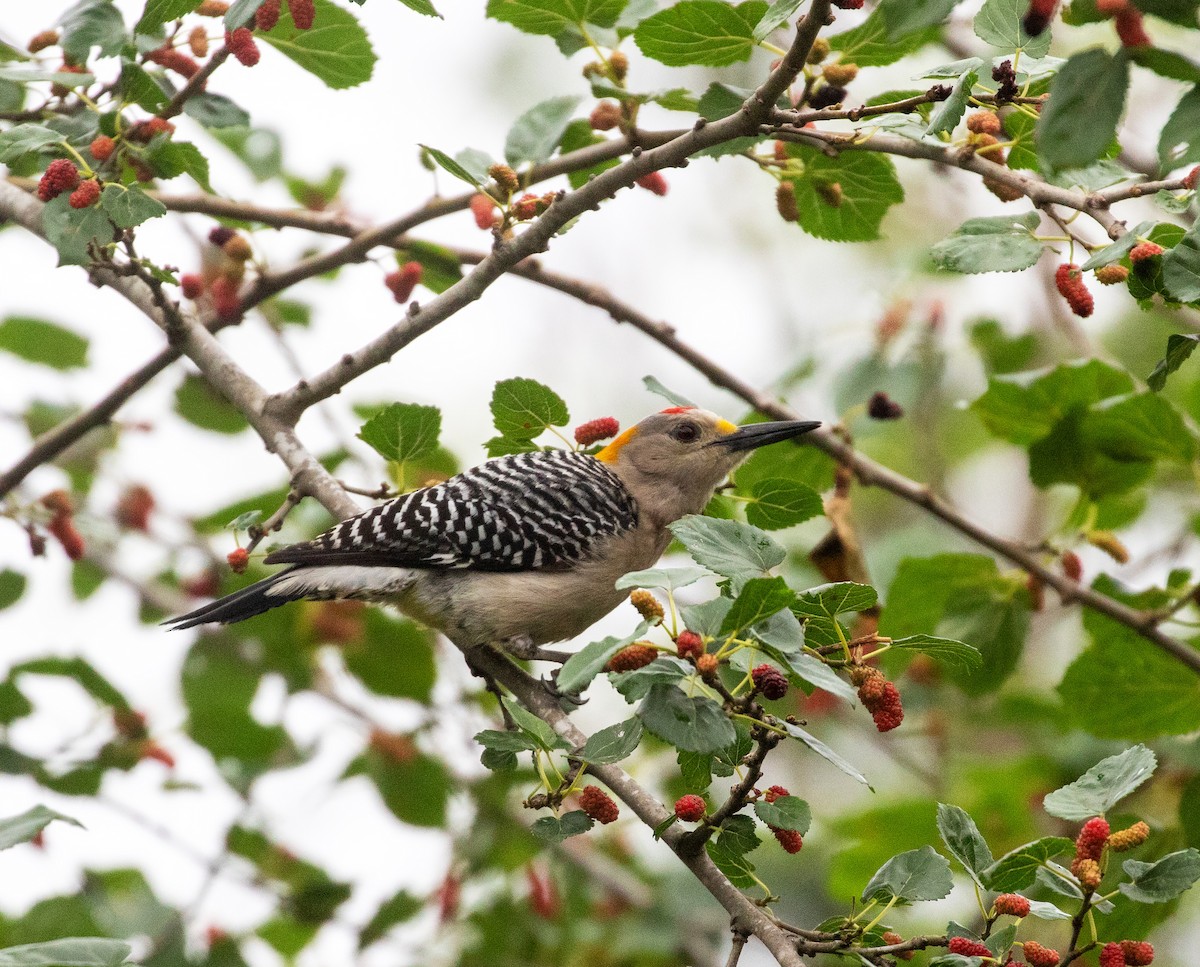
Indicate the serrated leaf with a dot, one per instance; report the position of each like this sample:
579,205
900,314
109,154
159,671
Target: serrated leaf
1179,144
159,12
1000,244
1181,268
664,670
423,7
964,841
24,138
1103,785
1118,249
67,952
777,14
614,743
1162,880
1079,121
23,828
786,812
870,44
88,24
728,547
440,267
72,231
668,579
536,133
1001,24
777,503
553,17
583,666
919,874
1179,347
709,32
904,17
867,187
824,751
216,111
729,848
948,113
830,600
403,431
957,654
445,162
129,206
552,830
523,408
170,159
692,723
1047,911
758,599
198,403
335,49
140,88
533,726
39,341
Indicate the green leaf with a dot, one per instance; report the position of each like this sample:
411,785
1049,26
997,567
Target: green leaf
335,49
414,790
447,163
830,600
403,431
1001,244
74,230
758,599
948,113
536,133
1179,347
170,159
1181,268
12,583
200,405
999,23
129,206
729,848
956,654
67,952
23,828
870,44
824,751
867,187
547,738
709,32
24,138
689,722
786,812
423,7
440,267
1118,249
553,17
1080,119
579,670
159,12
614,743
1016,869
216,111
664,670
1162,880
777,14
1102,786
88,24
399,909
919,874
904,17
552,830
657,388
38,341
1178,144
728,547
964,841
669,579
777,503
1047,911
371,656
523,408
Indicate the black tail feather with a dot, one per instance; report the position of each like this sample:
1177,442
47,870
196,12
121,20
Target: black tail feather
246,603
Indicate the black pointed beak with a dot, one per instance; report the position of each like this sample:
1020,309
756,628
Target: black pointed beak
760,434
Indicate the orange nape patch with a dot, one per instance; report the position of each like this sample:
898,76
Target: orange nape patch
611,452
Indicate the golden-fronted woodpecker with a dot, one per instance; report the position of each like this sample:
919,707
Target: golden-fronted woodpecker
524,549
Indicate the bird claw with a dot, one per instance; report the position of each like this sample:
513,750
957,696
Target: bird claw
568,701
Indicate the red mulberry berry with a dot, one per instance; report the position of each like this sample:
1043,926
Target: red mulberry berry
102,147
770,681
849,4
891,937
505,178
484,210
238,560
86,195
226,300
1012,904
174,60
134,508
526,207
690,808
593,431
404,280
775,792
1038,16
63,529
789,839
59,176
706,665
241,44
152,750
967,947
1112,274
1138,953
1131,29
144,131
598,805
1069,281
1143,251
219,235
633,657
1112,956
829,192
984,122
1110,8
1088,872
1038,956
647,605
689,645
47,38
1002,189
1127,839
605,116
1089,844
303,13
785,202
1072,566
192,285
213,8
654,182
841,74
890,717
1189,180
267,16
882,407
198,41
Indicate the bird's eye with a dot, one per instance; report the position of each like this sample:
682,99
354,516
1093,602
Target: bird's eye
686,433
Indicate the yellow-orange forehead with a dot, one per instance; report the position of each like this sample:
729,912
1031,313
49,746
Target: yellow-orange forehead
610,453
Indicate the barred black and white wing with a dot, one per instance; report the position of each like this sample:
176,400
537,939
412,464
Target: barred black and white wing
515,513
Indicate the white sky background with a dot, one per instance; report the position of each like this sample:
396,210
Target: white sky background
712,258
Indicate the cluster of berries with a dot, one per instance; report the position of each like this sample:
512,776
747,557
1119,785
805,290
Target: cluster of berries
598,805
62,176
62,523
241,43
789,839
770,681
223,274
690,647
880,697
1127,953
134,508
402,281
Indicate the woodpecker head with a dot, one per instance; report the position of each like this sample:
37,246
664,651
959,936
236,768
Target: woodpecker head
674,460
